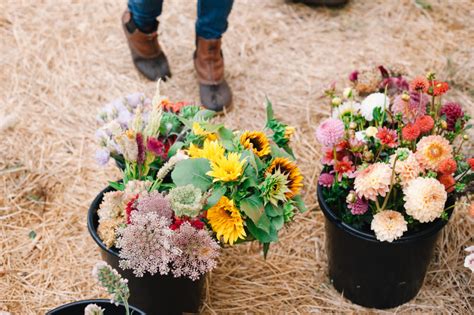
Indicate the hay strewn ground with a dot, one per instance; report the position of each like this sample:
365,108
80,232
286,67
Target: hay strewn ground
61,60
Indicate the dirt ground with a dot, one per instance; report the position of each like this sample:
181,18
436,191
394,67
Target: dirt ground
61,60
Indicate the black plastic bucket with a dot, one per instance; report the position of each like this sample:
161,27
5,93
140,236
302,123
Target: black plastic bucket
155,294
77,308
373,273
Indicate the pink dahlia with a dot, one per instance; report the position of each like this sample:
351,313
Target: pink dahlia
411,107
432,150
330,132
453,112
373,181
326,180
359,207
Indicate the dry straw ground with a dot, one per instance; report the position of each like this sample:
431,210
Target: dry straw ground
61,60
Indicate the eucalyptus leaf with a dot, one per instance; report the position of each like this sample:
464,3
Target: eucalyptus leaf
192,172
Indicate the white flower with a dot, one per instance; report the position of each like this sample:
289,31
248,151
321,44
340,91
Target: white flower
345,108
371,131
371,102
347,92
469,260
361,136
93,309
388,225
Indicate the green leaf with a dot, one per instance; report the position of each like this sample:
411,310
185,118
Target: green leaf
269,109
117,186
175,147
204,114
252,207
279,152
272,210
264,223
299,203
278,222
32,235
216,195
192,171
226,136
261,235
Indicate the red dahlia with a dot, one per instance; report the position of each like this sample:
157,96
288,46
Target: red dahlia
410,132
438,88
425,123
388,137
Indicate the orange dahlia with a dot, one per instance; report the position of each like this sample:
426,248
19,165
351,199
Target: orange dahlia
425,123
410,132
448,181
432,150
447,166
419,83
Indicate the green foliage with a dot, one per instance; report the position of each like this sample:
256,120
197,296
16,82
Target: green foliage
192,172
170,124
252,207
117,185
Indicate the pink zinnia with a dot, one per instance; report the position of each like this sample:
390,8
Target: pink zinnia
330,132
388,137
359,207
453,112
326,180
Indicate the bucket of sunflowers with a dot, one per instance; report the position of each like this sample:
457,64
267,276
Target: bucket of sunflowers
392,166
190,188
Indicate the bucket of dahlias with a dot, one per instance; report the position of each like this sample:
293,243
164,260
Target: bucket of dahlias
250,179
392,165
146,228
120,115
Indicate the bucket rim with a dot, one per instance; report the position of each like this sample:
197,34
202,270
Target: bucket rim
432,228
89,301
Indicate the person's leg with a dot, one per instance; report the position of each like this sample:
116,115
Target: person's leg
208,60
144,13
140,27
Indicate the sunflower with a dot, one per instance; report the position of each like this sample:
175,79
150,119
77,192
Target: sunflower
256,141
211,150
226,169
274,187
226,221
287,167
199,131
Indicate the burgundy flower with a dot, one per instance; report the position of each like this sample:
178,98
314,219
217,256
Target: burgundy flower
156,147
141,149
353,76
453,112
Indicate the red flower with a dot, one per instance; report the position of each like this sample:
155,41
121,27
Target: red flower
419,84
130,207
471,163
388,137
425,123
156,147
328,157
344,167
410,132
448,181
173,107
195,222
438,88
447,167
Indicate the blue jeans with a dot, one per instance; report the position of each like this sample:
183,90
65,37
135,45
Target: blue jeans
211,21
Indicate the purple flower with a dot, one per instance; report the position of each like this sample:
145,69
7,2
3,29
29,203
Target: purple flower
145,244
154,202
198,252
359,207
326,180
134,99
102,156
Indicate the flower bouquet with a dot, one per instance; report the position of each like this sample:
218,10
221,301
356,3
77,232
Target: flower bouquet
159,244
392,164
162,225
250,180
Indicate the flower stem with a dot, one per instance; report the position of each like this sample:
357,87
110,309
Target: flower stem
391,183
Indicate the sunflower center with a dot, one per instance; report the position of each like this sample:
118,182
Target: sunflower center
255,142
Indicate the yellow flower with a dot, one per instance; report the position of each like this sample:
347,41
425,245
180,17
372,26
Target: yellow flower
199,131
211,150
289,168
256,141
289,131
226,169
226,221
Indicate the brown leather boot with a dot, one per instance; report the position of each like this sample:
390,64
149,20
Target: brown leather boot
209,64
147,55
